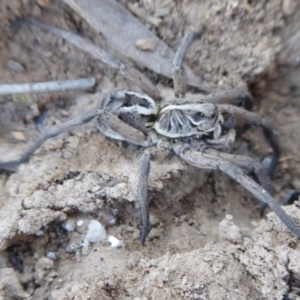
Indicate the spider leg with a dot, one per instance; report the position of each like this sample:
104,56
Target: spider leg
108,123
291,197
112,126
143,197
49,133
244,117
223,143
237,97
179,76
127,71
210,161
251,119
248,165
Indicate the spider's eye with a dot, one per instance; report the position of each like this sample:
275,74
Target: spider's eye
198,116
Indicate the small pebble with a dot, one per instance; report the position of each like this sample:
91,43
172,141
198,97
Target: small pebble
112,221
229,217
43,3
39,233
80,223
14,66
145,45
159,283
51,255
18,135
115,243
71,248
96,232
69,226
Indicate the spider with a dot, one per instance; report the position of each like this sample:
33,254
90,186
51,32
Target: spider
199,130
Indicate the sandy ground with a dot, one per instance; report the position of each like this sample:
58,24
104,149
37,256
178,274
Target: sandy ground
208,241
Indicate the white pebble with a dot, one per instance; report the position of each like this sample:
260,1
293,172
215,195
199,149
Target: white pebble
96,232
39,233
80,223
115,243
229,217
69,227
51,255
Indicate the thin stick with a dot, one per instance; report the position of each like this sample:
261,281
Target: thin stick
45,87
126,70
81,119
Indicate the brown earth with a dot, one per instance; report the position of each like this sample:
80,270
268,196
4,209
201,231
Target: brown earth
195,250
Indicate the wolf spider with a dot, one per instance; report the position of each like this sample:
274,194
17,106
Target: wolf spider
199,131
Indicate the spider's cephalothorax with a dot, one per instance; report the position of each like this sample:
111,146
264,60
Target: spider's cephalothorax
196,128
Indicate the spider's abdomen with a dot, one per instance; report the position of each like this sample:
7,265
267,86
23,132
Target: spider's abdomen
135,109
